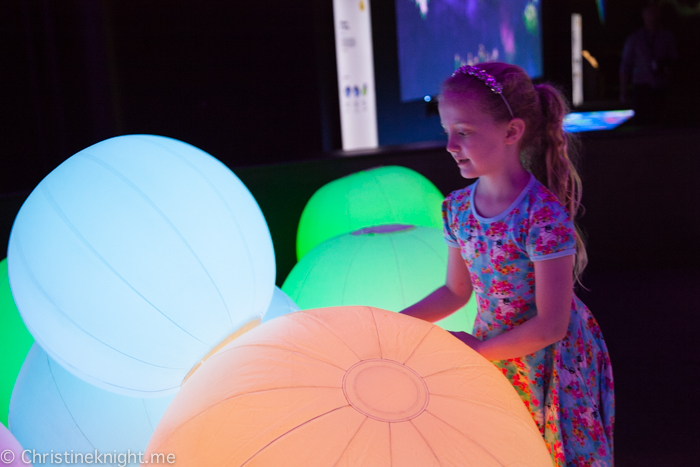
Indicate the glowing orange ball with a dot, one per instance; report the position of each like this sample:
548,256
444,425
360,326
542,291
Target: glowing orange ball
348,386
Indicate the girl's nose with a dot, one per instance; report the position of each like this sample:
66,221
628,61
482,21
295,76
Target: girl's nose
451,147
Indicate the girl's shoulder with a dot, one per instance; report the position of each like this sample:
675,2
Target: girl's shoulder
544,206
541,194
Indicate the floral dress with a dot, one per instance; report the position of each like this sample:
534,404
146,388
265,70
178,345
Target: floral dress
567,386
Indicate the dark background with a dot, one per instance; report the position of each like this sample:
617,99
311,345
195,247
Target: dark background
251,83
254,85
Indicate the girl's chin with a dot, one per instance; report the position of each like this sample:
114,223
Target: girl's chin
467,172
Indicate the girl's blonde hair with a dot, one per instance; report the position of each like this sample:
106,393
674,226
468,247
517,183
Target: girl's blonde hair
546,150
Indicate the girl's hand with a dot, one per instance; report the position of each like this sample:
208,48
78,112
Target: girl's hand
468,339
448,298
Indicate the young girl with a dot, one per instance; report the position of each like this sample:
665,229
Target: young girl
513,242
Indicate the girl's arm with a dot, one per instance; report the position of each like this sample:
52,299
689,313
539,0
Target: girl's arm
448,298
553,294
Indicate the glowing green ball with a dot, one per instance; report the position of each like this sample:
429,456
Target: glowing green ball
379,196
15,342
389,267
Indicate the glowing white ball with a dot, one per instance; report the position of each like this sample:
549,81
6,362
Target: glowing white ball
280,305
53,411
134,258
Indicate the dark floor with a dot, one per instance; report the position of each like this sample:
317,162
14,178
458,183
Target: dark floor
650,321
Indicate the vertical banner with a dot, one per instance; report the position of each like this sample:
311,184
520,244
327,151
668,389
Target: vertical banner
576,60
355,62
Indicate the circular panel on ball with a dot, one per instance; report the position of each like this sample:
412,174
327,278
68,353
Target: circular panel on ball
385,390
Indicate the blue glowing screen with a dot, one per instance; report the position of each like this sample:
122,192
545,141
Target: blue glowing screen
435,37
577,122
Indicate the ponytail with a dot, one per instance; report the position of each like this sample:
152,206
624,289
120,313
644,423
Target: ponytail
556,167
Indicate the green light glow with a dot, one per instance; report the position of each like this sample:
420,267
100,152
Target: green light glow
15,342
389,267
383,195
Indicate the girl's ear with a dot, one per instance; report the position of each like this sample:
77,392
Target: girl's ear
515,130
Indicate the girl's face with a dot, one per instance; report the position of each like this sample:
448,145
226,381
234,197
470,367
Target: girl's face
474,139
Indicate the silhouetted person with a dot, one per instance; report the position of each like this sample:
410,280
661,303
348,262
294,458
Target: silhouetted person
646,59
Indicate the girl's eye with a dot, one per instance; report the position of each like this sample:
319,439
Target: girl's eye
459,133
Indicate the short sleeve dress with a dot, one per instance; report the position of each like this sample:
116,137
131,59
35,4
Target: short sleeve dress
567,386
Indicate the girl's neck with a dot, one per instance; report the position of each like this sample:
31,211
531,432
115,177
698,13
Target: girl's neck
495,193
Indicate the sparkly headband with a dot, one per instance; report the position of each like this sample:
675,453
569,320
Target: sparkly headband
488,80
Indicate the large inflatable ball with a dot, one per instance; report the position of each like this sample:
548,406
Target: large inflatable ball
135,257
351,386
389,267
54,411
280,305
11,452
15,342
383,195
